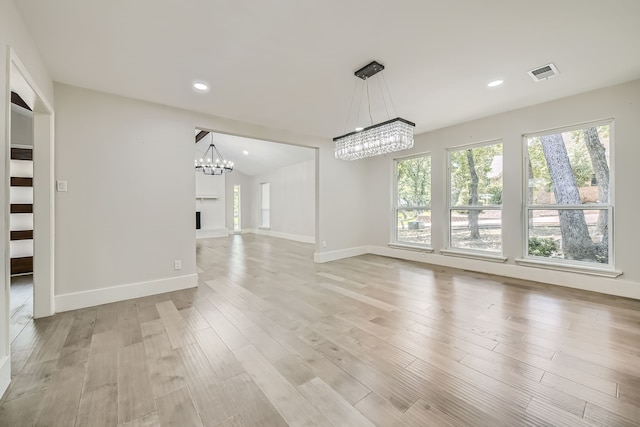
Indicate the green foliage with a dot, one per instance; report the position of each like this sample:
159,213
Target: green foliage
485,159
579,158
414,181
542,247
495,192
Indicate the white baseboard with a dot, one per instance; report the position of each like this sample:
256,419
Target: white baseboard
604,285
5,373
321,257
73,301
288,236
206,234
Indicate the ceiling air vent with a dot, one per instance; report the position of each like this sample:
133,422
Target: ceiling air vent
543,73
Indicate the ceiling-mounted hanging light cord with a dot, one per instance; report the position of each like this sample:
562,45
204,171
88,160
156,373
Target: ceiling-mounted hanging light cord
369,101
384,98
353,96
395,113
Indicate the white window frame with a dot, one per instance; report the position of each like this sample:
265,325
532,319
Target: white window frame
473,253
395,208
265,207
607,270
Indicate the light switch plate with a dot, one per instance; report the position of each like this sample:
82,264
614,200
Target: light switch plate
61,185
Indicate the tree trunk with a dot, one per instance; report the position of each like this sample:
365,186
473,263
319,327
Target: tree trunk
598,156
473,200
530,189
576,242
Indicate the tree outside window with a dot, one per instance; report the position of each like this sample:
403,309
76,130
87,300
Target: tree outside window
413,200
568,206
475,198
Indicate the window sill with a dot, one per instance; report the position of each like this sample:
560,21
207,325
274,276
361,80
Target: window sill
264,228
550,265
410,247
473,255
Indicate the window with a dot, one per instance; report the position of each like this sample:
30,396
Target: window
475,198
237,226
568,210
265,216
412,219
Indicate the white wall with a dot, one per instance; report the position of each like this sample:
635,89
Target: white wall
129,210
212,211
620,102
246,204
14,34
292,200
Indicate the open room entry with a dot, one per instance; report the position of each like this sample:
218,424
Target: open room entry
34,122
232,201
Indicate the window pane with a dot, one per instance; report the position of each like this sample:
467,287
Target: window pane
414,182
569,168
265,218
265,195
476,176
574,234
477,230
414,226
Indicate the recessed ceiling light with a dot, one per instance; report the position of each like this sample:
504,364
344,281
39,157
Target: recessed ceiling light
495,83
200,86
359,129
245,152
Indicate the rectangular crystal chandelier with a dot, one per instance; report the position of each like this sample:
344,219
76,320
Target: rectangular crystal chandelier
386,137
382,138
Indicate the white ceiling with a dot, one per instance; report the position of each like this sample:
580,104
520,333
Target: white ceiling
262,156
289,63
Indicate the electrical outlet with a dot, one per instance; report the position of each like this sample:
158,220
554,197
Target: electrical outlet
324,243
177,265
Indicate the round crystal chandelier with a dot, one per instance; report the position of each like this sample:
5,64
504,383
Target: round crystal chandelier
209,165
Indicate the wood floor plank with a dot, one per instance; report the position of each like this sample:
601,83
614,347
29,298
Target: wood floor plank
222,360
176,327
421,412
381,412
21,411
60,402
102,366
255,408
149,420
209,393
33,378
135,392
347,386
553,415
602,417
284,397
176,409
337,410
194,319
228,333
99,408
289,366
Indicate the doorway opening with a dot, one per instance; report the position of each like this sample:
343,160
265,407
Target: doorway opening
33,292
271,191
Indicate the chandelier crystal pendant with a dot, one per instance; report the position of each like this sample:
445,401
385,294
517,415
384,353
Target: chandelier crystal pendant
209,165
382,138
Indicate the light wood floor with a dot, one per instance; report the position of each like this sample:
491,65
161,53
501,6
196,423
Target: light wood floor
271,339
